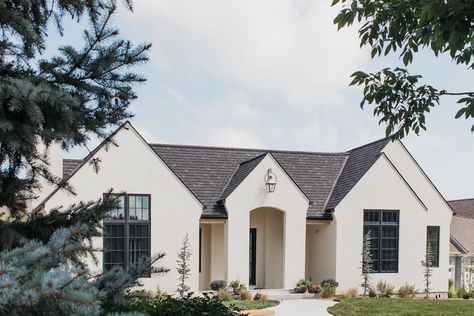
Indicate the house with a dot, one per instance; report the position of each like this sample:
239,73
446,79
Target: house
265,217
461,251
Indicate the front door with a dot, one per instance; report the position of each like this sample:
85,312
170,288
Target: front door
252,256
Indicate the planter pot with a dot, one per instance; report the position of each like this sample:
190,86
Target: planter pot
314,290
300,290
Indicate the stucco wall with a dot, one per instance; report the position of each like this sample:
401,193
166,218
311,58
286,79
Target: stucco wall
134,168
251,194
382,188
321,251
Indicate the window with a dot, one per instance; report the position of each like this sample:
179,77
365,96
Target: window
432,238
383,227
127,232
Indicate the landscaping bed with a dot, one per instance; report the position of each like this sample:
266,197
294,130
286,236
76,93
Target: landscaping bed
395,306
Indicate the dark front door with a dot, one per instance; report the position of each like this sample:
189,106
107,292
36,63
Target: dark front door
252,256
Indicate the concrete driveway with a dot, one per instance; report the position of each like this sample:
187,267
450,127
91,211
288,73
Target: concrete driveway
306,307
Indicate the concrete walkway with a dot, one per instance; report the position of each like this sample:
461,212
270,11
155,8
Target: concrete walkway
306,307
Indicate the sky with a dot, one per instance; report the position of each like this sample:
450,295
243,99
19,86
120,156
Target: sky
275,74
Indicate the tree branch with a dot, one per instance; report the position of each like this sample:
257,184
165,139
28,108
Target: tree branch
444,92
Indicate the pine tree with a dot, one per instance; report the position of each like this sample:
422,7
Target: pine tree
428,270
184,267
367,262
68,98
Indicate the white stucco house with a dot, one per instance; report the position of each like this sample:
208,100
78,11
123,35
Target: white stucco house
265,217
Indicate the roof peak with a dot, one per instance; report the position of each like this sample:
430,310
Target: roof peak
371,143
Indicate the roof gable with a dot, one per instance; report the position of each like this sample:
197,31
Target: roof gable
210,171
73,165
242,171
357,164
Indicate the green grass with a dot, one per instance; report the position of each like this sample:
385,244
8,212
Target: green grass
246,305
406,307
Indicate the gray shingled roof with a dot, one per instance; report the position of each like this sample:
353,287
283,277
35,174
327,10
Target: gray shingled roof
359,161
462,226
69,165
463,208
242,171
212,173
462,229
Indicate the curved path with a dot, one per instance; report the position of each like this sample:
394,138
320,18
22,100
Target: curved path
306,307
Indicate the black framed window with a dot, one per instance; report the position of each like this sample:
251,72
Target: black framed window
127,232
383,226
432,237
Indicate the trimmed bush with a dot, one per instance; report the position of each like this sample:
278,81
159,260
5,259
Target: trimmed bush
171,306
466,296
407,291
328,288
216,285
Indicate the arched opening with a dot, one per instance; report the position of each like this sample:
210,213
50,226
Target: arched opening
266,248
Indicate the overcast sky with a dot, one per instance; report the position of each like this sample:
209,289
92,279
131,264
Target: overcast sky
274,74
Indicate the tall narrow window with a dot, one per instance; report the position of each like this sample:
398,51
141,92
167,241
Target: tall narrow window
432,238
127,232
383,228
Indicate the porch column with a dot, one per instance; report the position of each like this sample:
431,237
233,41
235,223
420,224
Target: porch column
238,224
294,240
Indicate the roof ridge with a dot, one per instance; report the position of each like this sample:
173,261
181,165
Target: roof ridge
371,143
335,182
251,149
252,159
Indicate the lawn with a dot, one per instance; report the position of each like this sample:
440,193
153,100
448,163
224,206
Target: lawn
259,304
406,307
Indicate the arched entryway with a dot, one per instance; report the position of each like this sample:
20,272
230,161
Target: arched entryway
266,248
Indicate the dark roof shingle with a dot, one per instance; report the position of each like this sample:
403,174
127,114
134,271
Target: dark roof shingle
463,208
69,165
358,162
212,173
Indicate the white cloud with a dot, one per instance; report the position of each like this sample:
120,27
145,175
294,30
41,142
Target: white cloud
233,137
286,48
274,73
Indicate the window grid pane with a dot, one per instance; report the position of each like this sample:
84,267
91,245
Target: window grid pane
114,239
127,243
118,213
432,237
383,226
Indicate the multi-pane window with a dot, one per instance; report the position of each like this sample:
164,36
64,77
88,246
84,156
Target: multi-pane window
432,238
127,232
383,228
